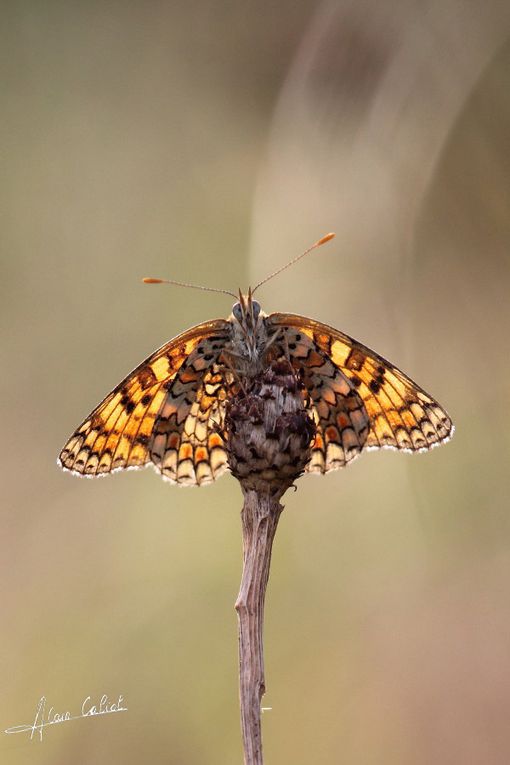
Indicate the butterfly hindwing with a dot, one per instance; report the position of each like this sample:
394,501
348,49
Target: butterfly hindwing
187,446
400,414
118,433
340,417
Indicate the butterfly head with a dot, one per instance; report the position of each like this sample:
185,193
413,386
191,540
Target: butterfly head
246,311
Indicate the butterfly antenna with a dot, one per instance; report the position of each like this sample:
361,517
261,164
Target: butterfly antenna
150,280
320,242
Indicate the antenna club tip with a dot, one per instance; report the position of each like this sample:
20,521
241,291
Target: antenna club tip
150,280
326,238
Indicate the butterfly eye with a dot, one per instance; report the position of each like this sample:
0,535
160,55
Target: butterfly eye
236,310
256,309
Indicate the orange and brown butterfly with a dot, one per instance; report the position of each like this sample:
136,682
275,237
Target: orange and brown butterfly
169,412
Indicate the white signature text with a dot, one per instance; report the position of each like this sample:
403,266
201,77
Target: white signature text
89,708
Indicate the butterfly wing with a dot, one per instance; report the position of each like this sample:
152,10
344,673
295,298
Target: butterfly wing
400,414
187,445
119,432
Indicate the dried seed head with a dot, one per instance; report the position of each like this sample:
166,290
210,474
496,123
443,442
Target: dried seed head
269,431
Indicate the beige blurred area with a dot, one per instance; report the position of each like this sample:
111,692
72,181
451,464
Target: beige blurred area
212,142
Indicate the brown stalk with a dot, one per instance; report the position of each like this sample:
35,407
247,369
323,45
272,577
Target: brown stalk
260,515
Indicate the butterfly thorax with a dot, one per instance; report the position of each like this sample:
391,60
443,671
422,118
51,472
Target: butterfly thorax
249,343
250,337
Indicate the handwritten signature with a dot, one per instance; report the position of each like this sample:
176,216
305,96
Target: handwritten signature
88,709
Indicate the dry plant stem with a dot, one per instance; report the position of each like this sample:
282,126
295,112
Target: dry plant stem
259,516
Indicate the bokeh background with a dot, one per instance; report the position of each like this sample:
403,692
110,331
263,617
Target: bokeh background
212,142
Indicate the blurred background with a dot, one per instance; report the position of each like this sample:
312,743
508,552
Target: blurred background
212,142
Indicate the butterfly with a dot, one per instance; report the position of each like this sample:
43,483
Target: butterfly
170,411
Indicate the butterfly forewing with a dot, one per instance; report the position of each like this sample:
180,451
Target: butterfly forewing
399,414
119,433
